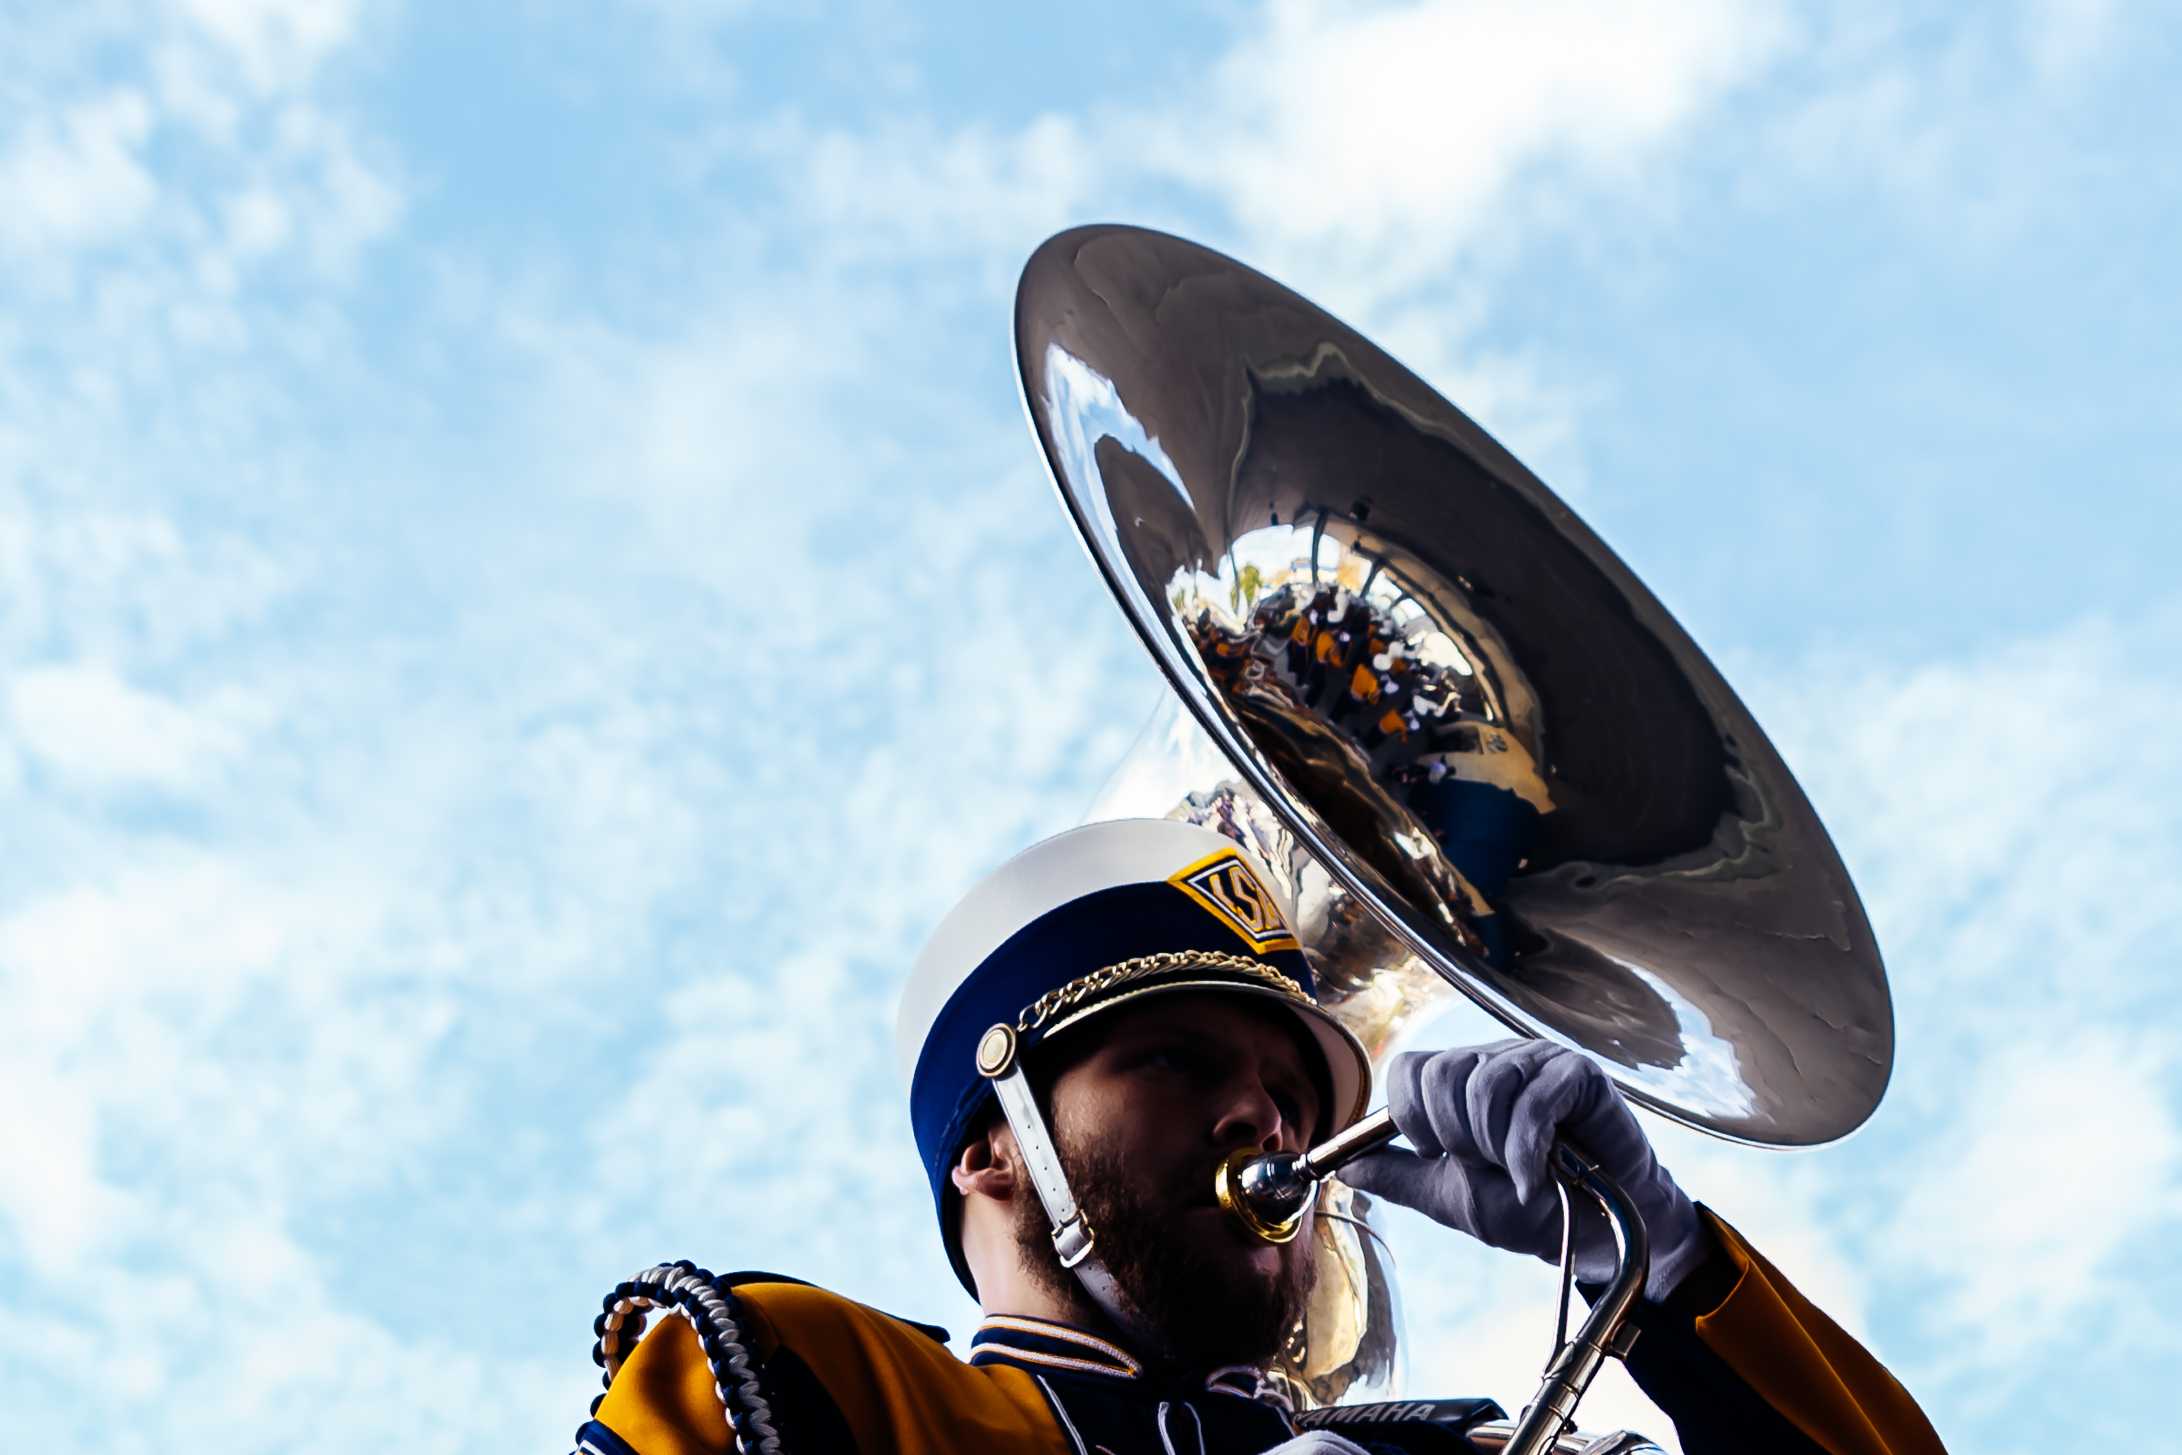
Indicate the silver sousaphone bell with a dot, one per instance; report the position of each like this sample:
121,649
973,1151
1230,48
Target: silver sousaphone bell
1478,754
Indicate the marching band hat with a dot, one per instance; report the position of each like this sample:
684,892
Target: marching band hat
1107,914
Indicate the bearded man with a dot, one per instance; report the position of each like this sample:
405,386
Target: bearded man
1089,1032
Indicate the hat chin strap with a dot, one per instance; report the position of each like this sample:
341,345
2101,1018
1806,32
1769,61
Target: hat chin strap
1073,1240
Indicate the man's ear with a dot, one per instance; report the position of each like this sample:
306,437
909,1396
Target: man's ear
989,1163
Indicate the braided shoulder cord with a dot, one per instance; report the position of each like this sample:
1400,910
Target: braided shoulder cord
695,1294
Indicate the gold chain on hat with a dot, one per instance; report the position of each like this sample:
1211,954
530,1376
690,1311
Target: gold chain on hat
1144,967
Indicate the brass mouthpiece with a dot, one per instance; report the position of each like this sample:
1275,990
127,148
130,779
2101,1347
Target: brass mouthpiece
1269,1192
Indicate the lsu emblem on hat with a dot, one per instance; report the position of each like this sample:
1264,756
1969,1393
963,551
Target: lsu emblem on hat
1223,884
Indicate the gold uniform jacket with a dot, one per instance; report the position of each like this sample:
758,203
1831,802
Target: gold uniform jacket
1736,1357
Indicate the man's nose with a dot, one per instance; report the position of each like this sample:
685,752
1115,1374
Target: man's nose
1251,1118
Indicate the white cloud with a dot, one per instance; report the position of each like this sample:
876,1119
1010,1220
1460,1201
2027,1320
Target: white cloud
258,221
99,730
2010,843
911,185
276,44
77,179
714,434
272,1362
1971,128
57,1208
192,926
1381,142
2064,38
1357,151
1368,144
224,94
123,586
2069,1154
346,203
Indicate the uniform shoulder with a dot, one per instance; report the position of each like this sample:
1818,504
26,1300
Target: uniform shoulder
801,1304
839,1373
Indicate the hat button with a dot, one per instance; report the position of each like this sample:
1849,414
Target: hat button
996,1051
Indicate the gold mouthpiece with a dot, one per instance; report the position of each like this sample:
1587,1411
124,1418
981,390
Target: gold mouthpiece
1241,1183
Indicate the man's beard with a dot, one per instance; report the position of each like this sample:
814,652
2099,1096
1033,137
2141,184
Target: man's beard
1203,1311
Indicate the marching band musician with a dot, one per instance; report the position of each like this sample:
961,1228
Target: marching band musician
1090,1031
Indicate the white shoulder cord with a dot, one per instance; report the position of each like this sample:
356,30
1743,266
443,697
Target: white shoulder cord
698,1297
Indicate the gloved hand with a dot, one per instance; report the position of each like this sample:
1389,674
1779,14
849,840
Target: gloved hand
1482,1119
1318,1442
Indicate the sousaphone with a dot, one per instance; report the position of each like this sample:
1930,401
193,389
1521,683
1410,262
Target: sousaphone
1481,758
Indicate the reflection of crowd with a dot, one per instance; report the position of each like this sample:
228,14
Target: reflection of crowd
1326,652
1338,657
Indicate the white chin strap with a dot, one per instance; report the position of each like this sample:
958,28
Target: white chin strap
1074,1242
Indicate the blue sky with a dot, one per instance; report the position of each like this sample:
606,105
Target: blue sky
527,591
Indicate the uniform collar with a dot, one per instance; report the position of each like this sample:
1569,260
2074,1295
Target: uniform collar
1033,1343
1036,1344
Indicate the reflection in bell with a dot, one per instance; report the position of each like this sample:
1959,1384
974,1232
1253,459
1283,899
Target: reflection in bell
1358,695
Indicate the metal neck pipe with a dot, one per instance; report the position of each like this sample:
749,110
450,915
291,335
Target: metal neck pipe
1602,1334
1371,1133
1269,1195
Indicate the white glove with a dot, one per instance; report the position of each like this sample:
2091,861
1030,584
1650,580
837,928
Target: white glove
1318,1442
1483,1118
